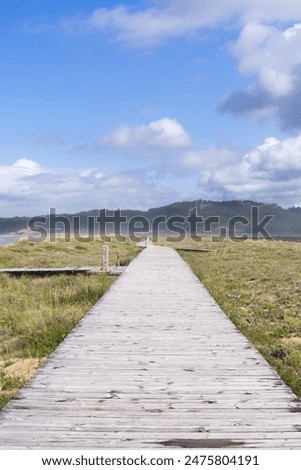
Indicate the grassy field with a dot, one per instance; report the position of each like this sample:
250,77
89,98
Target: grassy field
61,254
37,313
258,285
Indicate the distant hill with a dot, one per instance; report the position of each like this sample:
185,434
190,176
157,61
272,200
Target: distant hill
285,223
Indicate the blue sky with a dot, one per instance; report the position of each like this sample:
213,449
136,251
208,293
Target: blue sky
142,103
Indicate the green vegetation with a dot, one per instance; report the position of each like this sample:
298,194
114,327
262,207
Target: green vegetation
258,285
37,313
61,253
286,222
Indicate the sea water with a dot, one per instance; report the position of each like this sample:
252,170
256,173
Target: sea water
8,239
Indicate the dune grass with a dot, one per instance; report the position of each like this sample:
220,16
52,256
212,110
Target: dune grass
63,253
258,285
37,313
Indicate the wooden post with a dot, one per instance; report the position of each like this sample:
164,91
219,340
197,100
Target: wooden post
105,257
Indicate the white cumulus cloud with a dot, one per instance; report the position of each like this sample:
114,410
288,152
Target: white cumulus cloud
270,172
26,167
273,55
267,47
27,188
17,178
163,133
279,160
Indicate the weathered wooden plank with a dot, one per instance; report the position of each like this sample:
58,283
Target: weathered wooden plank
155,361
114,270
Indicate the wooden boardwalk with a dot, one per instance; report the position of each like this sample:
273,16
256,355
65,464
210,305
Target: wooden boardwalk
16,272
155,363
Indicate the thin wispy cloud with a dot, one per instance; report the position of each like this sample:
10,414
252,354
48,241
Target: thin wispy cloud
164,20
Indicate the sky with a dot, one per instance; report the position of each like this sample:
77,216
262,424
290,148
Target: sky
138,104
